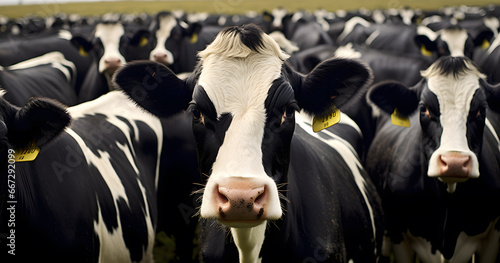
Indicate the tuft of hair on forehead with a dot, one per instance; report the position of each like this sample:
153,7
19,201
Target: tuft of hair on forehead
241,41
452,66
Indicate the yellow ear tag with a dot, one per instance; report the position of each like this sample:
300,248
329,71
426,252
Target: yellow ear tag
194,38
143,41
425,51
326,120
485,44
399,120
27,154
83,52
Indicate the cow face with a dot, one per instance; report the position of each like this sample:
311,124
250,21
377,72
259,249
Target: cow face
169,37
163,27
243,99
112,45
451,41
453,101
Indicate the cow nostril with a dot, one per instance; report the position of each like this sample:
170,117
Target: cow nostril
160,55
467,163
112,61
222,198
261,196
442,162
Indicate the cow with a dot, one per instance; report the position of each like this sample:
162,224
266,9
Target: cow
110,46
284,192
175,43
439,178
50,75
16,49
487,60
89,195
450,41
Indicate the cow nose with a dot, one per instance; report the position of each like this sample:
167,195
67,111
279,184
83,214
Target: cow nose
112,64
455,165
241,204
162,58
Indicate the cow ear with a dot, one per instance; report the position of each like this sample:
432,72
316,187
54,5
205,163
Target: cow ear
332,83
391,95
153,87
140,38
82,44
193,32
492,95
483,39
426,45
426,40
40,121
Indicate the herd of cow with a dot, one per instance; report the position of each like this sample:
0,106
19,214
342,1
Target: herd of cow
361,136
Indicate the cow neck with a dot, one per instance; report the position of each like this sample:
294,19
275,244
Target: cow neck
249,242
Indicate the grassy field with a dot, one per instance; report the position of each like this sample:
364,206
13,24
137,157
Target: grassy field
224,6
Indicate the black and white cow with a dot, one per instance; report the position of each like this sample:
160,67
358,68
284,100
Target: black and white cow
50,75
440,178
450,41
90,194
14,50
264,165
488,60
110,46
176,43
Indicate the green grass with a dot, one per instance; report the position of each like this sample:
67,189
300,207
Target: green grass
224,6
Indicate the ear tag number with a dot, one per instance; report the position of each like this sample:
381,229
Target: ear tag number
27,154
399,120
326,120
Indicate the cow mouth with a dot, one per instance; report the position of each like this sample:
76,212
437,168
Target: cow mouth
451,179
111,71
235,223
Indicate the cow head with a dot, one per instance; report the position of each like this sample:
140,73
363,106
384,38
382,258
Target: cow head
169,36
243,98
112,45
39,122
453,100
451,41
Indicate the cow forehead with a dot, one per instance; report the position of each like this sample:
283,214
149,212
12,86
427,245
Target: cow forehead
454,94
454,82
109,32
236,85
166,24
455,39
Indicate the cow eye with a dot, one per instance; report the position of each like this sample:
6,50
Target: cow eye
425,111
480,113
288,113
197,115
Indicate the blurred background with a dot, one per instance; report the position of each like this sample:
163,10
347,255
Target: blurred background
17,8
